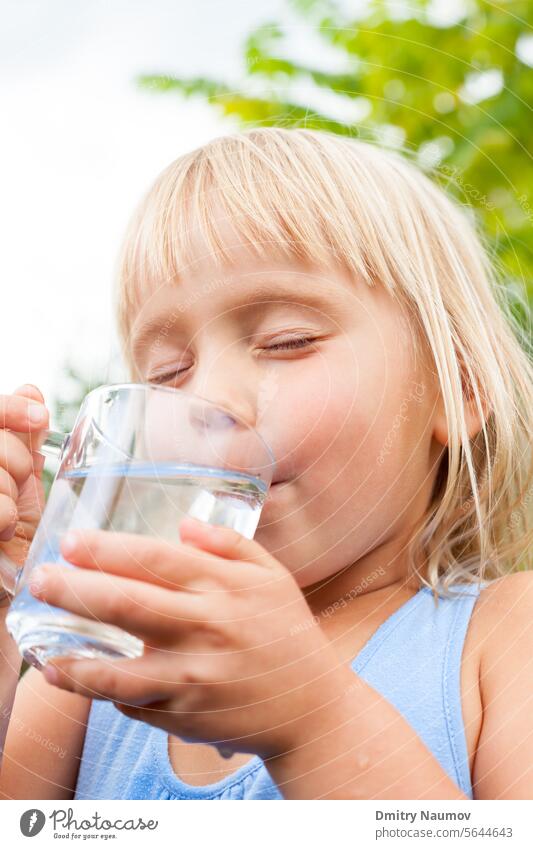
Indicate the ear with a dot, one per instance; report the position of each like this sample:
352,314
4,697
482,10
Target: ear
474,417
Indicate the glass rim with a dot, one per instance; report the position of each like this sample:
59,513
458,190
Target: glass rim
186,393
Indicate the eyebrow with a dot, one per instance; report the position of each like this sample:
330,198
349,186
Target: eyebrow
250,300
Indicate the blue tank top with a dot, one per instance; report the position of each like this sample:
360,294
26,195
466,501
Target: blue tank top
413,659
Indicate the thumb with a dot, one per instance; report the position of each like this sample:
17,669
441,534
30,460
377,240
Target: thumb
28,390
226,542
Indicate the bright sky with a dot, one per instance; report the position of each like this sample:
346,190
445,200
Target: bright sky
79,145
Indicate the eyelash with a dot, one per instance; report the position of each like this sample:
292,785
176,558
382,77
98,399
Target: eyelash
294,343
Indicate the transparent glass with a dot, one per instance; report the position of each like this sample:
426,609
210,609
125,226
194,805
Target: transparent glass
138,459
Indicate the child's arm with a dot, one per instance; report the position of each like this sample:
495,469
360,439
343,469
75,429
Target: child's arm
359,746
10,663
21,503
44,740
42,729
503,766
375,755
224,663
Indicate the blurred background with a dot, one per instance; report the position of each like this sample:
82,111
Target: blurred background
97,98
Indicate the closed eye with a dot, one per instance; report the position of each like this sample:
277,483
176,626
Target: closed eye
294,342
169,375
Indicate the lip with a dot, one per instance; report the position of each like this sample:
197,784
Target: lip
275,486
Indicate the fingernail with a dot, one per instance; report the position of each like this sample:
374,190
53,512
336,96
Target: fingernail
37,580
36,413
199,523
190,523
69,542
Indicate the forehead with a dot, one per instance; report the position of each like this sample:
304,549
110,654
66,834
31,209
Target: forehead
200,297
202,245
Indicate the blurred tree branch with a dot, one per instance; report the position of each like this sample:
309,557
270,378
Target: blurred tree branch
455,94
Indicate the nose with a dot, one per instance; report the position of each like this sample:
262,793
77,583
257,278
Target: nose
204,416
221,412
230,383
226,383
226,438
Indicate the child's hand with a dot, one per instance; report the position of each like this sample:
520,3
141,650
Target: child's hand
226,657
21,489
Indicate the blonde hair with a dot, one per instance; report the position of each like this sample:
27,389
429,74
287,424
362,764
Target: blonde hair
319,196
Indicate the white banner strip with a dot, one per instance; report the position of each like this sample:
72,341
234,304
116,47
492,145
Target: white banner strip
268,824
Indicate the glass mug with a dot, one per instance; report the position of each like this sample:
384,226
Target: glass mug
138,459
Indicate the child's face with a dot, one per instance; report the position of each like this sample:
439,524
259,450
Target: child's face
348,417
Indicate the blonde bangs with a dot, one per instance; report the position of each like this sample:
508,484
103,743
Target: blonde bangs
284,197
326,199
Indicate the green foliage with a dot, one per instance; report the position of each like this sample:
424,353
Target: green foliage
454,95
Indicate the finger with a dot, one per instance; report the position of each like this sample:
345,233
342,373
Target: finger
15,458
8,506
164,714
33,439
132,681
23,411
8,517
224,542
38,461
29,390
8,485
150,612
135,556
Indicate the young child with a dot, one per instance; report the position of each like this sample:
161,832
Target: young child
374,640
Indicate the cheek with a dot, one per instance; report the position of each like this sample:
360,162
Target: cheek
338,411
311,407
350,413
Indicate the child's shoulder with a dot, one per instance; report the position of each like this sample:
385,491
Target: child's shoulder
502,617
501,639
515,589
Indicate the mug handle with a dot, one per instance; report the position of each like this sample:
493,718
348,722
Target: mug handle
54,443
